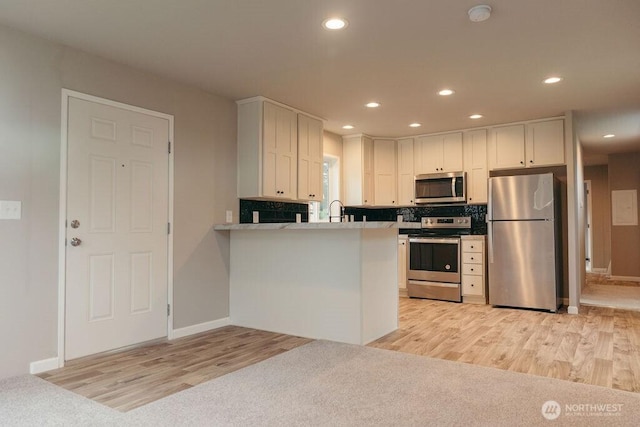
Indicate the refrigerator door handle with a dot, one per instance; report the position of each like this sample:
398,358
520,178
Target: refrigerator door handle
489,205
490,240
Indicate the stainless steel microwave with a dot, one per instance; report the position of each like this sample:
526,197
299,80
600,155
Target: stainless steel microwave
441,188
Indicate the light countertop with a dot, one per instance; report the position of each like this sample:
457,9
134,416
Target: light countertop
318,225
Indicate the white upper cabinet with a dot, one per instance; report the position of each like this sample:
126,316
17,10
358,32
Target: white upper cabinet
406,185
358,170
279,150
507,147
385,174
310,158
545,143
527,145
267,150
438,153
475,165
280,147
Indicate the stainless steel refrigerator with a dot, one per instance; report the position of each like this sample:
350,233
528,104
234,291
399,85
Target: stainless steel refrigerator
524,246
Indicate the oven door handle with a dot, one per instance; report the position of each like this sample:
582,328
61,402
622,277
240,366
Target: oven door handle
453,240
453,187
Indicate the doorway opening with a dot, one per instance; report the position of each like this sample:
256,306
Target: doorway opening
601,288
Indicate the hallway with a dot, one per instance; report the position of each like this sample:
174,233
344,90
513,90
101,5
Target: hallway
601,292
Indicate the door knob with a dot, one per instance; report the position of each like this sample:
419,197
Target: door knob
75,223
75,241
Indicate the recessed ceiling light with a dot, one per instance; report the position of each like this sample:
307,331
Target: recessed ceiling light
609,135
446,92
335,23
347,127
475,116
372,105
415,125
552,80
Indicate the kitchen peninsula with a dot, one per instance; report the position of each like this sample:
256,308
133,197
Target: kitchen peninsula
334,281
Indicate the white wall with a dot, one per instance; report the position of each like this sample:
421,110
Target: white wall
332,144
575,212
32,73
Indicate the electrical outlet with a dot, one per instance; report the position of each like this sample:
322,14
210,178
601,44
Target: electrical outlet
229,218
10,209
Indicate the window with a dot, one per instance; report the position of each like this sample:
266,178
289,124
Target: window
319,211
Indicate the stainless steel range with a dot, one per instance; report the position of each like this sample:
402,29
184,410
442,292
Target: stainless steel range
433,264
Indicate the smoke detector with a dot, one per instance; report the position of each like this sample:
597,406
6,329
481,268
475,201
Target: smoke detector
479,13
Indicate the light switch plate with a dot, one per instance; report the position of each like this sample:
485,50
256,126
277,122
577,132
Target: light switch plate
10,209
229,217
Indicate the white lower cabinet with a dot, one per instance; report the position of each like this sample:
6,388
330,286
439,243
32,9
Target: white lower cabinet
473,270
403,249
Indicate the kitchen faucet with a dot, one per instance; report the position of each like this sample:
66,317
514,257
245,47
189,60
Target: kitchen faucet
341,216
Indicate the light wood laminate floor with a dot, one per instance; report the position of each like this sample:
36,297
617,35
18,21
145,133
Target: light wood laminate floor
130,378
601,291
599,346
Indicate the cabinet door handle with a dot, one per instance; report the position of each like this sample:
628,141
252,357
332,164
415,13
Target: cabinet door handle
521,162
530,161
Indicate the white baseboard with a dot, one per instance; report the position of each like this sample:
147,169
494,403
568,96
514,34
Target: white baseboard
599,270
625,278
200,327
43,365
572,309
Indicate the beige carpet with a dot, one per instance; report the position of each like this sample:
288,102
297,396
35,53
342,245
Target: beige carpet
326,383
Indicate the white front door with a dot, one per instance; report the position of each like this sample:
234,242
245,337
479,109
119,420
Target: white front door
117,219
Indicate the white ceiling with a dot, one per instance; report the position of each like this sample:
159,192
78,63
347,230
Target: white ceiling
399,53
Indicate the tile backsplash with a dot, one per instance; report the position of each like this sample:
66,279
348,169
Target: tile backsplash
271,212
478,214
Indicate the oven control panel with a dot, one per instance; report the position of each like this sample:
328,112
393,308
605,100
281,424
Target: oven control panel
446,222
